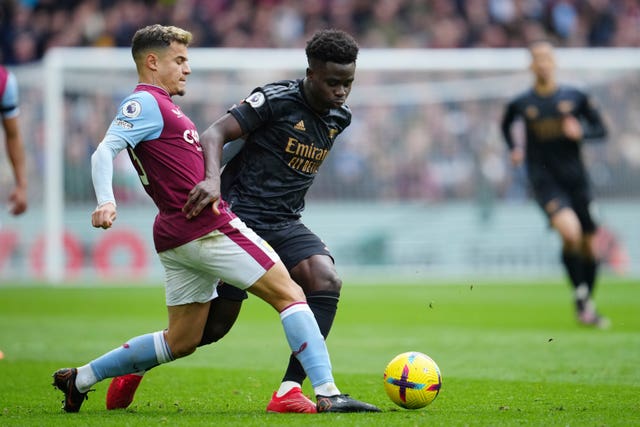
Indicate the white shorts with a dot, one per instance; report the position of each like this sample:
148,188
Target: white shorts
233,253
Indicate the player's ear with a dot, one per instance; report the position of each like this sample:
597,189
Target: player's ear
151,60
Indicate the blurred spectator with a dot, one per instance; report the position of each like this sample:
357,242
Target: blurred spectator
30,27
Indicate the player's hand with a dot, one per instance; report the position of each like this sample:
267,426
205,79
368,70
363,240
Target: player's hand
517,156
104,215
572,128
18,201
204,193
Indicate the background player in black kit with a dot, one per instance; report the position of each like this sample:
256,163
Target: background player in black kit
289,127
557,119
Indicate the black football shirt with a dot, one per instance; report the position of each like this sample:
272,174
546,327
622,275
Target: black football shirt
286,143
548,151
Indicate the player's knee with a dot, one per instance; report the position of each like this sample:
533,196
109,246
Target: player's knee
292,292
572,238
566,222
318,277
182,349
183,346
572,241
330,282
589,247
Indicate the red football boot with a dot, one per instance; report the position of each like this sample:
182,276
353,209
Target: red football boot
122,391
291,401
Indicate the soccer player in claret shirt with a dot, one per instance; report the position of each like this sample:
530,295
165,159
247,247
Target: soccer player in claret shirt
198,238
557,119
289,128
9,110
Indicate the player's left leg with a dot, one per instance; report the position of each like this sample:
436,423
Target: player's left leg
567,224
188,297
186,322
582,206
223,313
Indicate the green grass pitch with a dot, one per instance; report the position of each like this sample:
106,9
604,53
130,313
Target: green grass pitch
509,355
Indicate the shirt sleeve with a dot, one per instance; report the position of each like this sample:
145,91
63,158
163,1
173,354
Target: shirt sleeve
139,119
253,112
102,167
508,118
592,122
9,104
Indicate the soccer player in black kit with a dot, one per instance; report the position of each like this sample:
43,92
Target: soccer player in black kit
557,119
288,128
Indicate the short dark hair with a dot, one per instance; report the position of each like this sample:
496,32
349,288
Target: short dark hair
157,37
332,46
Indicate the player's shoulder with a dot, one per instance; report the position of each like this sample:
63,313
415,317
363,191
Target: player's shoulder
9,94
524,96
139,103
282,89
8,79
571,90
342,115
141,95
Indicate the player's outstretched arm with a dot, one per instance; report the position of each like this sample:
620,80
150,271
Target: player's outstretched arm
102,177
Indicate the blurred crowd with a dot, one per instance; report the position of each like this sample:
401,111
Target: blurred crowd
29,27
432,150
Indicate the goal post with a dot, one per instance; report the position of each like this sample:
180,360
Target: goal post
387,79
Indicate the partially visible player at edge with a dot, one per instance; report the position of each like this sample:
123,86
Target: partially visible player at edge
9,110
557,119
198,238
289,127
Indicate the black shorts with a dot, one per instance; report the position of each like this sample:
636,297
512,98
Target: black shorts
293,244
230,292
551,196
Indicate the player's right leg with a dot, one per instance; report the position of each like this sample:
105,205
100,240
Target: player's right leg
248,255
305,340
582,202
576,262
317,276
566,223
311,266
